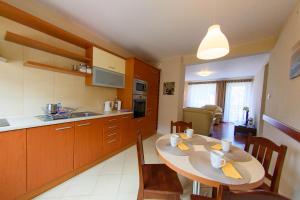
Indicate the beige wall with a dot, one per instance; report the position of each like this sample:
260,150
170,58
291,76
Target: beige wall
24,91
170,106
284,104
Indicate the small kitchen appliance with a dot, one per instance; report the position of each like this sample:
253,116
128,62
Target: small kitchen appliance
108,106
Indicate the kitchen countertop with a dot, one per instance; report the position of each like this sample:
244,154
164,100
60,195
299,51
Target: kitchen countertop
32,121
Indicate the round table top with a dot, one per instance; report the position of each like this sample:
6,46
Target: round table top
182,165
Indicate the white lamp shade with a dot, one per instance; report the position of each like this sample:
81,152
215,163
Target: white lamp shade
214,44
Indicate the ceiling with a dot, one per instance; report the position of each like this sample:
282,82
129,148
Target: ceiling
153,29
243,67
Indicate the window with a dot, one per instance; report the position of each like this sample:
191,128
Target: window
238,95
201,94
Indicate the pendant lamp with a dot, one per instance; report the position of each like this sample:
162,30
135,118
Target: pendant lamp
214,44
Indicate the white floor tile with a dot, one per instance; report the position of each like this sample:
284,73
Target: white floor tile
111,196
76,198
129,183
81,186
107,184
127,196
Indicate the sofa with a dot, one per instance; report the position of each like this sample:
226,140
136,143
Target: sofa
218,112
201,119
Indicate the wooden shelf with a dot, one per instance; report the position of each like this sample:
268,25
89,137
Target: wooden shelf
52,68
27,19
19,39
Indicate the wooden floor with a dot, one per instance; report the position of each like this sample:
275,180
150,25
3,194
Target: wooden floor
226,131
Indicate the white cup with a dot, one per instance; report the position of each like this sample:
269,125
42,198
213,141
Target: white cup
216,159
174,140
226,145
189,132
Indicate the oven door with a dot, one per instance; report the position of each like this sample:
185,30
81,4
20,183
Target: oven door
139,107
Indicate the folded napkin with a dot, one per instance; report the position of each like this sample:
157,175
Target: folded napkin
183,136
183,147
216,147
230,171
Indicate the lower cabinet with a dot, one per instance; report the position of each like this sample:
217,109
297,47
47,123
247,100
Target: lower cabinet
128,135
88,142
12,164
111,134
49,153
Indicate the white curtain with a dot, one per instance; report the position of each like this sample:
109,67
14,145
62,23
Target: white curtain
238,95
199,95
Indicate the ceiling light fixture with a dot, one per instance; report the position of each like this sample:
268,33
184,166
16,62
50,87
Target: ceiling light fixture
204,73
214,44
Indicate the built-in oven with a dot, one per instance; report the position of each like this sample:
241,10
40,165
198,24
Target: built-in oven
139,106
140,87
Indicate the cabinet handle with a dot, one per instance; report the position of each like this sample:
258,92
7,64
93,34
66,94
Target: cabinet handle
111,120
125,117
111,67
63,128
110,127
111,141
139,120
112,134
86,124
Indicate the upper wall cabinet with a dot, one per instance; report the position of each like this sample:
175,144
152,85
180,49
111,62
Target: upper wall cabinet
107,61
108,69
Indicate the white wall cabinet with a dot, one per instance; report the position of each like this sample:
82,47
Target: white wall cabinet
108,61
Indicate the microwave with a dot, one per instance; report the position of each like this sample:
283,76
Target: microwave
140,87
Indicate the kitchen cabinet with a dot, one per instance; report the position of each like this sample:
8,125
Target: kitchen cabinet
88,142
128,135
140,70
111,134
106,60
50,153
12,164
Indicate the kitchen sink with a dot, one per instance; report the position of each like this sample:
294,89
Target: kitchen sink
46,118
84,114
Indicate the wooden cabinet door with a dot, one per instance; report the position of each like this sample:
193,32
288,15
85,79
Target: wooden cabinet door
12,164
128,135
111,134
49,153
88,142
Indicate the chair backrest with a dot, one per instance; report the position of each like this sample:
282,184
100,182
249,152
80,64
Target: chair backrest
226,194
263,150
181,126
140,155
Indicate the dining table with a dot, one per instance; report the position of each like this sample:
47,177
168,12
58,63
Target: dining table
195,164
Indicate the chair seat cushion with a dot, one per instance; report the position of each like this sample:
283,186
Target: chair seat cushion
160,178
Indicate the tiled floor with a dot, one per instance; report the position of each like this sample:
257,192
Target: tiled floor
113,179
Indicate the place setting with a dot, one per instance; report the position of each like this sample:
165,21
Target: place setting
179,144
230,151
214,165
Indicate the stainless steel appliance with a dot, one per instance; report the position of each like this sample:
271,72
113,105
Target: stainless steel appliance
139,106
140,87
3,122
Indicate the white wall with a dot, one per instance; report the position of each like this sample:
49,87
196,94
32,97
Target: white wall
170,106
258,83
284,104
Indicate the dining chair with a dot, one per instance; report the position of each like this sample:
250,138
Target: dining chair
156,181
181,126
262,150
224,193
